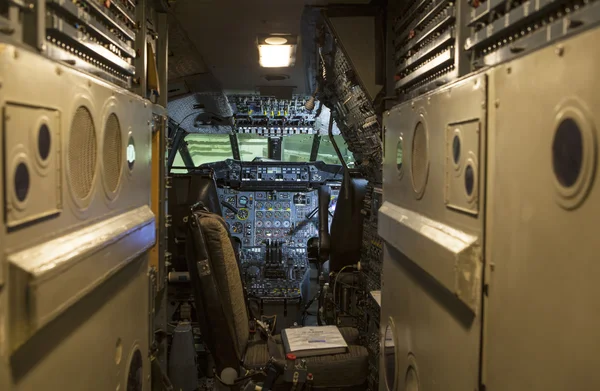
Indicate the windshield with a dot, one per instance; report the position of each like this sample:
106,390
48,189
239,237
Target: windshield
297,147
252,146
327,151
208,148
179,165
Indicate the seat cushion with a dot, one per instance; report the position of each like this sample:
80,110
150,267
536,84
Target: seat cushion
333,370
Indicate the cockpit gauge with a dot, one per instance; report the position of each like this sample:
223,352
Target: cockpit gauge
237,228
259,215
243,201
268,224
268,232
269,205
286,215
268,215
277,224
231,199
259,223
229,214
277,215
259,205
242,214
286,224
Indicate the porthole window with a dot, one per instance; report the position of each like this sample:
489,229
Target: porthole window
399,150
135,375
22,182
44,142
389,357
130,153
567,152
456,149
469,180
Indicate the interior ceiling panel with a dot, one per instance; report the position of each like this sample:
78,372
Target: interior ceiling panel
185,109
225,31
184,57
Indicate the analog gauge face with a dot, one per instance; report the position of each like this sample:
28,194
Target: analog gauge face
286,215
242,214
277,224
259,232
268,232
286,224
277,215
276,233
259,205
229,214
268,215
287,205
268,224
259,215
278,205
259,223
237,227
269,205
243,201
231,200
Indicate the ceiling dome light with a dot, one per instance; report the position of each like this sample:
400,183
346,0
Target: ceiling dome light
276,40
277,51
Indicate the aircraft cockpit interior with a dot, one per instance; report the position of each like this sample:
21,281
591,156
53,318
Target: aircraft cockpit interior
299,195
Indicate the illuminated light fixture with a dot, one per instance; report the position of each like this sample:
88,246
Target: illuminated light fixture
277,51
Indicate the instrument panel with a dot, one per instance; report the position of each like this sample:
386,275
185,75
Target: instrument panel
272,176
288,216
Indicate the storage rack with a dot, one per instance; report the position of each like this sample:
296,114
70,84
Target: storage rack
504,29
426,42
106,38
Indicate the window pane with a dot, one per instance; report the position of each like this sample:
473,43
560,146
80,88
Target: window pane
208,148
178,162
327,152
253,145
296,147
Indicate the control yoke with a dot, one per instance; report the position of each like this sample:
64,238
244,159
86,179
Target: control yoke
324,238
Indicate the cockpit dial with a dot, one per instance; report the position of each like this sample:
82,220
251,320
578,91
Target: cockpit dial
243,214
243,201
237,227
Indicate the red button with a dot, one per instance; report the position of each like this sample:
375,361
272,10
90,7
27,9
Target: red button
291,357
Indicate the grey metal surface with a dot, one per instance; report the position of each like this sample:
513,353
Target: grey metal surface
432,269
542,314
74,305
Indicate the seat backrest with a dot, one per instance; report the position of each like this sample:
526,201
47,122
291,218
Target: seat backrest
347,224
186,191
211,261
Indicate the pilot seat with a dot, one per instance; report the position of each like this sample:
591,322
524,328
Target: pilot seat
222,312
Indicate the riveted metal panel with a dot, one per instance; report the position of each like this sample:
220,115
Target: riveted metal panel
433,262
74,305
542,314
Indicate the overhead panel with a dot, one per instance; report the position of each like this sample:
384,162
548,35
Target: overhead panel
356,37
